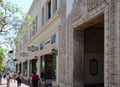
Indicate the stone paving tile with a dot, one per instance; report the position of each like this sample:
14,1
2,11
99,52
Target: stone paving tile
12,84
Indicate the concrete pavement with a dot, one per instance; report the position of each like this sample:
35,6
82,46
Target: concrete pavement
12,84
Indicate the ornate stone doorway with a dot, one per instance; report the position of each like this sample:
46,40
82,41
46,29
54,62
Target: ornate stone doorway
94,55
89,53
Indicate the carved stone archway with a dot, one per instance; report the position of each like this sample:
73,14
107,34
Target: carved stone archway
83,19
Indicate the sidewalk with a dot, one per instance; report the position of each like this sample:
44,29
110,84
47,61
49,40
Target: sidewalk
12,84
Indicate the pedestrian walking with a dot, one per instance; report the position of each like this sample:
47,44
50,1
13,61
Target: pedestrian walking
35,79
11,75
19,79
42,79
4,75
8,79
0,78
14,76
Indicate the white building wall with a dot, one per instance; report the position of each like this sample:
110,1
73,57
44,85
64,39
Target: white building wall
44,33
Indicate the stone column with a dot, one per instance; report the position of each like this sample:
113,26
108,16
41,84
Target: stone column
70,58
111,45
57,69
28,68
78,59
118,41
106,49
22,67
38,66
62,45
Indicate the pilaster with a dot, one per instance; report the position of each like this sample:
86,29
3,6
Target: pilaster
22,67
62,45
118,41
38,66
28,68
112,45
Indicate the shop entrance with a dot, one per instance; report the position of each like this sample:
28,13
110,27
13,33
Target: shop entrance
32,67
48,65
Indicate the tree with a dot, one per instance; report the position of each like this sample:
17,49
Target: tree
3,66
1,58
11,20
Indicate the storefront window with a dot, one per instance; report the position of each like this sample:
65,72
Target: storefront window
43,63
48,64
25,68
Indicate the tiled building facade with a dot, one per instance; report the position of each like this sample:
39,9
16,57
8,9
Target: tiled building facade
87,41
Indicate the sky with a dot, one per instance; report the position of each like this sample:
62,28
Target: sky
24,4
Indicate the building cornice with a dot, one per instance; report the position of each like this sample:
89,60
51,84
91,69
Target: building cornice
32,6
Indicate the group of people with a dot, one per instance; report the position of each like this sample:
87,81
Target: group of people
18,77
9,76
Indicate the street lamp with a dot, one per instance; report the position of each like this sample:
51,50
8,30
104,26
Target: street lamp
54,51
11,51
15,59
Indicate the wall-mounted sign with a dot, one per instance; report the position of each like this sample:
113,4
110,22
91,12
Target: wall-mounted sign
93,67
32,48
47,42
23,54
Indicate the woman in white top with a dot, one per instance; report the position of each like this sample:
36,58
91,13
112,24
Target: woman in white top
8,79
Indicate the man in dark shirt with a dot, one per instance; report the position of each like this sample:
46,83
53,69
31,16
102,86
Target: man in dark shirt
43,75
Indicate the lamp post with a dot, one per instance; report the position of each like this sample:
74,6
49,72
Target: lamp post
54,51
10,62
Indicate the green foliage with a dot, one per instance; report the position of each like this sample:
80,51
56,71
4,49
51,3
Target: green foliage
1,1
11,20
3,65
17,43
1,58
1,54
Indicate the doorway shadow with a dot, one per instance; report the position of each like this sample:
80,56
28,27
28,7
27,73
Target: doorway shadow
94,85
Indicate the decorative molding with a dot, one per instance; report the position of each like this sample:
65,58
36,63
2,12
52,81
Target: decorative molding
91,4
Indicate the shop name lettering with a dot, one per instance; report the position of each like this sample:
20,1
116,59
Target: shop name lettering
47,42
